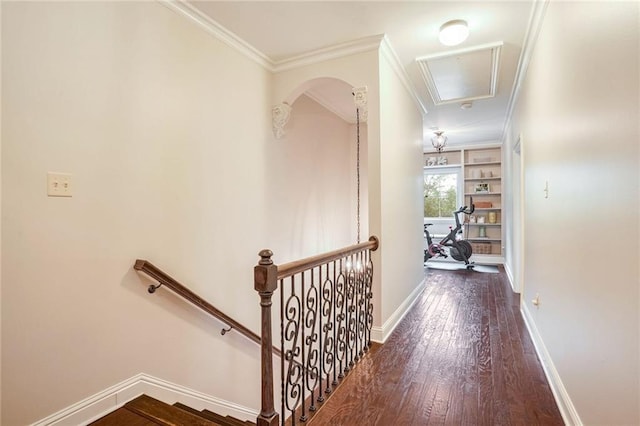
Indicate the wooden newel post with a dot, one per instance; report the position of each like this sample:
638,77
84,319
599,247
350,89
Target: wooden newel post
265,283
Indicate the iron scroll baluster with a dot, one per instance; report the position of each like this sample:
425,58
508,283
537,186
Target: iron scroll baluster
341,342
325,327
312,361
293,377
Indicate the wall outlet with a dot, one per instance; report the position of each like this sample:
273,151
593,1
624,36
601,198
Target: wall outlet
59,184
536,301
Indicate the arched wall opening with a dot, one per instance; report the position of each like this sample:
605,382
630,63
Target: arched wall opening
317,153
391,168
356,70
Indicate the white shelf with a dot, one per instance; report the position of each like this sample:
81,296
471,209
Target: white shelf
481,179
483,224
441,166
489,163
473,194
483,240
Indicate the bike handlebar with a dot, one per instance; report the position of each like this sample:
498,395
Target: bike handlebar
465,209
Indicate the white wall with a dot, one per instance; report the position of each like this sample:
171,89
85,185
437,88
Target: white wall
0,220
399,213
578,116
167,133
312,168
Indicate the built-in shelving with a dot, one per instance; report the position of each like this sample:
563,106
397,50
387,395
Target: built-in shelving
482,171
482,180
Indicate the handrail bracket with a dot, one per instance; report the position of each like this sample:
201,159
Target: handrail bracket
152,288
165,280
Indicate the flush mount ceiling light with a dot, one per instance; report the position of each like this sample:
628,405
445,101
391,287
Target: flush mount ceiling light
453,32
439,140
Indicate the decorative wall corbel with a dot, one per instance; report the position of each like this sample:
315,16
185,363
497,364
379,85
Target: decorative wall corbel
360,100
279,117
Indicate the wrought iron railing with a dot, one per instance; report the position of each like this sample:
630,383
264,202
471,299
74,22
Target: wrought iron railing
326,315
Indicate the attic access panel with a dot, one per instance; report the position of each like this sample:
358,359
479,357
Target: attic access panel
463,75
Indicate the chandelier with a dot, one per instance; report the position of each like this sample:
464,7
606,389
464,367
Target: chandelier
439,140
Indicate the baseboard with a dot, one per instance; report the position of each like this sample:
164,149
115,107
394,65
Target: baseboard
512,281
565,405
380,334
108,400
487,259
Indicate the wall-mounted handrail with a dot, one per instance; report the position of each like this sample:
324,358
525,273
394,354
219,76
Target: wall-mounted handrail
166,280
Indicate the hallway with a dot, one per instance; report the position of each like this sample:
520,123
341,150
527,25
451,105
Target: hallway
462,355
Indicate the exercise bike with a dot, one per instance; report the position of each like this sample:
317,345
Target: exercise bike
458,248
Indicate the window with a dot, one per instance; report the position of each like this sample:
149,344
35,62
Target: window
442,192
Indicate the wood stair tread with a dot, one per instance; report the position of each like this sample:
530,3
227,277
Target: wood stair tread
210,415
122,416
232,420
147,411
165,414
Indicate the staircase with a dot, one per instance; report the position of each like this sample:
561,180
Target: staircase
333,291
147,411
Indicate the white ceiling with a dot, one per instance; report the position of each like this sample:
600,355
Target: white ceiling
281,30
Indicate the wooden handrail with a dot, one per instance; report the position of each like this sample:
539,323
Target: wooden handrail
166,280
288,269
266,278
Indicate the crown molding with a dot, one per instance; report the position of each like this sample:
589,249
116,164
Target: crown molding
231,39
330,52
392,57
531,36
218,31
380,42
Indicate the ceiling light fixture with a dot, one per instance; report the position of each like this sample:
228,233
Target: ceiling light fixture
454,32
466,105
439,140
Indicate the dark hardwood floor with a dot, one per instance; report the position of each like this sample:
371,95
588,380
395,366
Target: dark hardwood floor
461,356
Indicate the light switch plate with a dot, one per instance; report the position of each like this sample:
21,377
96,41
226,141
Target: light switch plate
59,184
